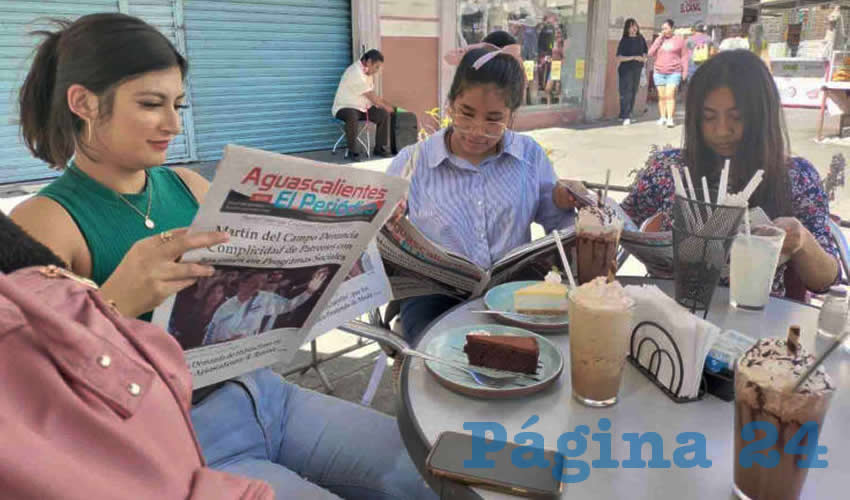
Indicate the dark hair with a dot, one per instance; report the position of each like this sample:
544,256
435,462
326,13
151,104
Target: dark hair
700,27
372,55
764,144
500,39
629,22
669,22
19,250
99,52
503,71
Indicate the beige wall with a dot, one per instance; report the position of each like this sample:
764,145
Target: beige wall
410,73
410,31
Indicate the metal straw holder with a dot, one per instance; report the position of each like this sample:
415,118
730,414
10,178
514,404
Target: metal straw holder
659,356
702,237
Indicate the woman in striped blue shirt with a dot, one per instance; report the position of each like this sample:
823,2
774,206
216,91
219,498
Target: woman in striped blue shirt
476,186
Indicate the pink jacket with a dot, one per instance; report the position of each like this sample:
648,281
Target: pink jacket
671,55
95,405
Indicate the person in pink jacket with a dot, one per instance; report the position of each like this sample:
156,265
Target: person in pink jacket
671,67
94,405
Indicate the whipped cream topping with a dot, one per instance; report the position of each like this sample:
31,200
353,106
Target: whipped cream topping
479,332
599,294
598,218
770,364
553,277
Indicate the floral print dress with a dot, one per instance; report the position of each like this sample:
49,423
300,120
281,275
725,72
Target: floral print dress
654,192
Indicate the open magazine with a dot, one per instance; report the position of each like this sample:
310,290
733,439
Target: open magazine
418,266
301,260
654,249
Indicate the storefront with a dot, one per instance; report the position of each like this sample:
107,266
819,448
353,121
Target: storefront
262,74
801,38
553,35
558,38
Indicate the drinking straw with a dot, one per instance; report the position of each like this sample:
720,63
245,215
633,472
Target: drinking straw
680,191
607,180
792,342
693,195
706,195
747,222
724,183
690,185
814,366
564,260
753,184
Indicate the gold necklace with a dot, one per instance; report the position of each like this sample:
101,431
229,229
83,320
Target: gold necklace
149,223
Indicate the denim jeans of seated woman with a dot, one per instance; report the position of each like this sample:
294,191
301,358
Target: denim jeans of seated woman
418,312
304,444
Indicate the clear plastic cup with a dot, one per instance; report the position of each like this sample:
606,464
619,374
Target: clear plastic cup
600,324
753,264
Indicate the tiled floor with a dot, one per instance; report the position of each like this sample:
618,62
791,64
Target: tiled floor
349,374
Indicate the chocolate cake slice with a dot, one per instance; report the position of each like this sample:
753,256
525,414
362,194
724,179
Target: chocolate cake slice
503,352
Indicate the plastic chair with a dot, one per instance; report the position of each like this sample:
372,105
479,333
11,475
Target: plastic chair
362,136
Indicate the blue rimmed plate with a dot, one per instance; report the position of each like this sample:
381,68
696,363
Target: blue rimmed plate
449,345
501,298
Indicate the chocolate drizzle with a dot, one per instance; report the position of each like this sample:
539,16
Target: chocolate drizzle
790,360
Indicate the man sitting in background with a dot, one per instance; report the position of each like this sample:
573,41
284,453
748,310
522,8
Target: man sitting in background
356,100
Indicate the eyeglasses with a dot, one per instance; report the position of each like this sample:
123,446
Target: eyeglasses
467,125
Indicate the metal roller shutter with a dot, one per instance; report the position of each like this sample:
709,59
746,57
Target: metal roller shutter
16,51
167,17
17,18
264,72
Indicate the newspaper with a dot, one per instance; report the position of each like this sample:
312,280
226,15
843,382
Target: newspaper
652,247
300,261
417,266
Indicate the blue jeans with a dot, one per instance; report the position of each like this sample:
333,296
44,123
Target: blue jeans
304,444
671,80
419,312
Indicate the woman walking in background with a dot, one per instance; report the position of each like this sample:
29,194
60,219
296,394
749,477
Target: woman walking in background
631,57
671,67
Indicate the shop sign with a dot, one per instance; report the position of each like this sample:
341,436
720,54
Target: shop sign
529,70
689,12
556,71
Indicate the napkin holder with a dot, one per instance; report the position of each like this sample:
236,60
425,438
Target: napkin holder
658,356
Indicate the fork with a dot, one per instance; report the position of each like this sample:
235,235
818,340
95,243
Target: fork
488,372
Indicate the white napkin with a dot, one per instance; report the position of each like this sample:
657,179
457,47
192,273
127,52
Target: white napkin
692,335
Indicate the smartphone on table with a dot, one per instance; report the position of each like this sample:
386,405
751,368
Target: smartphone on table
453,448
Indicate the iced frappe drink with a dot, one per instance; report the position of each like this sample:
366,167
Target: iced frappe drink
597,237
764,380
600,325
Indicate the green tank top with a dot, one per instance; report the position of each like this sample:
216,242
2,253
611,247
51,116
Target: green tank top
109,225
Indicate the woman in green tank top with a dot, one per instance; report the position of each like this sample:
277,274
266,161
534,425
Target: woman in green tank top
105,216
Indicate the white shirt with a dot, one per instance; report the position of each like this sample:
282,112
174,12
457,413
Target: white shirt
352,86
734,43
237,318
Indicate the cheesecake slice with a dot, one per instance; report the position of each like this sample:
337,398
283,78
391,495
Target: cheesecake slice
503,352
544,298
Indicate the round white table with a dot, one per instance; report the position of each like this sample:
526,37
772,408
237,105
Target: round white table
426,409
